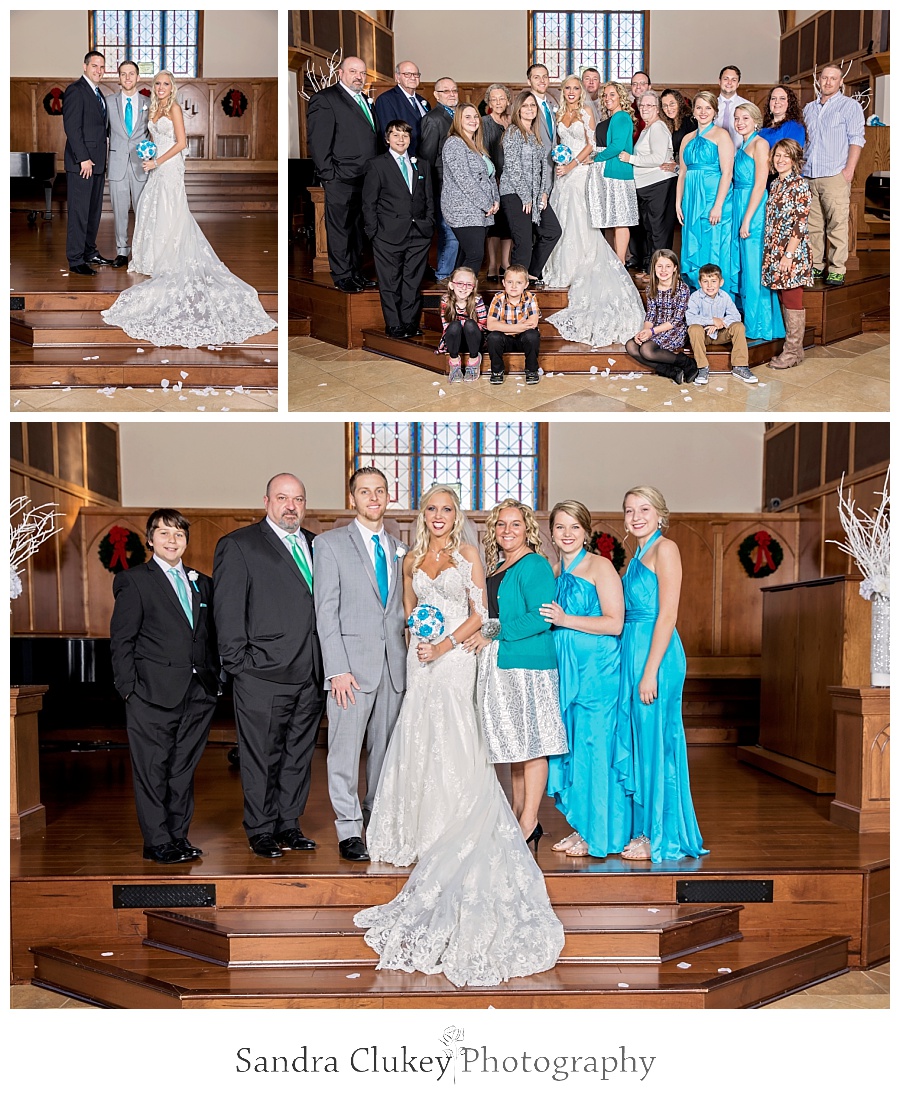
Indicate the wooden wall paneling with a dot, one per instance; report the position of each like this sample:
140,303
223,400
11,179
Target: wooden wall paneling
697,614
810,438
264,122
740,608
22,117
837,449
819,623
809,554
195,99
778,703
44,569
72,592
20,608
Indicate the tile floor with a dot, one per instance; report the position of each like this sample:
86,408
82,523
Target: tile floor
850,376
113,400
857,989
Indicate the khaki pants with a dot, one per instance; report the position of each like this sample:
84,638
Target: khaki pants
829,216
735,332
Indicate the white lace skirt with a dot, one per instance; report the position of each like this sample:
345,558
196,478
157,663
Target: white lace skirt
610,202
519,710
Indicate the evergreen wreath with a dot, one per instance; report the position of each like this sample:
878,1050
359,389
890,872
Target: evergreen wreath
608,546
121,549
760,554
234,103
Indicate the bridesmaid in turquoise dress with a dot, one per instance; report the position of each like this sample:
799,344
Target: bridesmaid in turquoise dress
587,617
650,727
758,304
703,198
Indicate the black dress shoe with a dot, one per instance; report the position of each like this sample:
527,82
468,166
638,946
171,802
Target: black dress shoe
264,844
184,845
348,286
165,853
396,332
295,841
98,259
82,269
413,329
120,261
363,283
353,848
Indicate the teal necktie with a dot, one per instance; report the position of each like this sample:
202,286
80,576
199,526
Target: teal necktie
549,117
183,598
361,100
294,544
381,573
129,117
405,171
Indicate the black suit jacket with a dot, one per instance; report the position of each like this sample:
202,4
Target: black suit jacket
432,135
154,649
394,104
340,139
85,126
391,211
265,614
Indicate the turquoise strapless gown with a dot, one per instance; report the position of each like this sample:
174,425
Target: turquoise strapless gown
655,768
758,304
702,243
583,781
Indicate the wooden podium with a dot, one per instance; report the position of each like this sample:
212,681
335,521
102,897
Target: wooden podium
26,811
862,727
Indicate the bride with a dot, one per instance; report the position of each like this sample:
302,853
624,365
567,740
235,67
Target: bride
192,297
476,907
603,304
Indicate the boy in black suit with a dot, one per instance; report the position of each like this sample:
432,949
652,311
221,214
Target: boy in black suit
398,211
166,668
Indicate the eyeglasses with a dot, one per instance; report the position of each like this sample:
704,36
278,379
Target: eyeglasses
411,73
446,91
464,286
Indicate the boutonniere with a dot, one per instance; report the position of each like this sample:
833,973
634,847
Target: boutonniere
412,160
400,553
192,577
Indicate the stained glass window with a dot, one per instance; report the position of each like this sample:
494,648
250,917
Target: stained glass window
569,41
485,463
154,40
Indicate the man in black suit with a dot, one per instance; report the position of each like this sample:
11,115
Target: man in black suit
266,625
434,130
403,102
398,210
343,137
85,123
166,667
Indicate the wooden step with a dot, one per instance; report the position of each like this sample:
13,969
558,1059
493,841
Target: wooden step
86,328
298,323
282,937
740,974
95,300
878,320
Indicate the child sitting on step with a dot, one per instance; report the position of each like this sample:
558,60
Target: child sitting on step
712,316
463,317
660,343
513,321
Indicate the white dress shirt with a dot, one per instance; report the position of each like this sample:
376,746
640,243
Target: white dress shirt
370,548
735,101
418,106
301,541
398,157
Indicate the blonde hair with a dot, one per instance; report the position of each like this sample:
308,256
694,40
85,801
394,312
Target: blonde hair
708,98
624,95
422,535
579,512
154,100
653,497
476,144
448,302
563,106
532,531
753,111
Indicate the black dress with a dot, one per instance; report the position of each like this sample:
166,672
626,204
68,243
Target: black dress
493,144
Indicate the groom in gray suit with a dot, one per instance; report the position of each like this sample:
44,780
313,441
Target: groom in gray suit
359,610
128,115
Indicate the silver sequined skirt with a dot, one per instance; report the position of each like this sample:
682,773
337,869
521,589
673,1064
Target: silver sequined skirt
610,202
519,710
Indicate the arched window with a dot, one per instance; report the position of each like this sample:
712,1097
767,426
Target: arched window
154,40
569,41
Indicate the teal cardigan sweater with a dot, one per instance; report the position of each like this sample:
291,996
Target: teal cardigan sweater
621,140
525,638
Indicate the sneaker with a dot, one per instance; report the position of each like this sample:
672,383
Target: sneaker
834,278
702,378
531,379
818,273
745,374
496,379
456,374
473,369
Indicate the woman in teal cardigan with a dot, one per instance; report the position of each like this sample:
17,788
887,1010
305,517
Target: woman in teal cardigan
518,684
610,192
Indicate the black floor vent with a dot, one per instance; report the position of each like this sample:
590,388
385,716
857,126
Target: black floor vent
724,891
165,896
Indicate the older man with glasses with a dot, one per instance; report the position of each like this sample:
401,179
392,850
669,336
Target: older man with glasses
435,127
403,102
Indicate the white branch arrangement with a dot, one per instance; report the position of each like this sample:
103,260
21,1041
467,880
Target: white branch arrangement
319,79
28,528
868,540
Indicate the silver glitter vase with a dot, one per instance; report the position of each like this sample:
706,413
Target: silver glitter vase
881,640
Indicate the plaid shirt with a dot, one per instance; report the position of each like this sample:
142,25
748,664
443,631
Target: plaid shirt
503,310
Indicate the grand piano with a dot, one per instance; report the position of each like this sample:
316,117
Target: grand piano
28,174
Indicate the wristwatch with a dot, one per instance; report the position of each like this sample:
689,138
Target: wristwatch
790,255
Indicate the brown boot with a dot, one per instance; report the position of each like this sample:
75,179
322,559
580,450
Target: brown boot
792,353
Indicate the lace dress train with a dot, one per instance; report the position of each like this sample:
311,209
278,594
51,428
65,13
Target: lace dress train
192,298
475,908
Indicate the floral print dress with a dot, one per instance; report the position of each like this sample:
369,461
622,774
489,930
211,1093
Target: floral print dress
668,305
787,215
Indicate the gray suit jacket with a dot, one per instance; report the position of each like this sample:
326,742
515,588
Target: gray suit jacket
122,148
356,632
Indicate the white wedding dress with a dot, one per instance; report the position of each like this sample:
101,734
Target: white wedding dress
192,298
604,304
476,907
